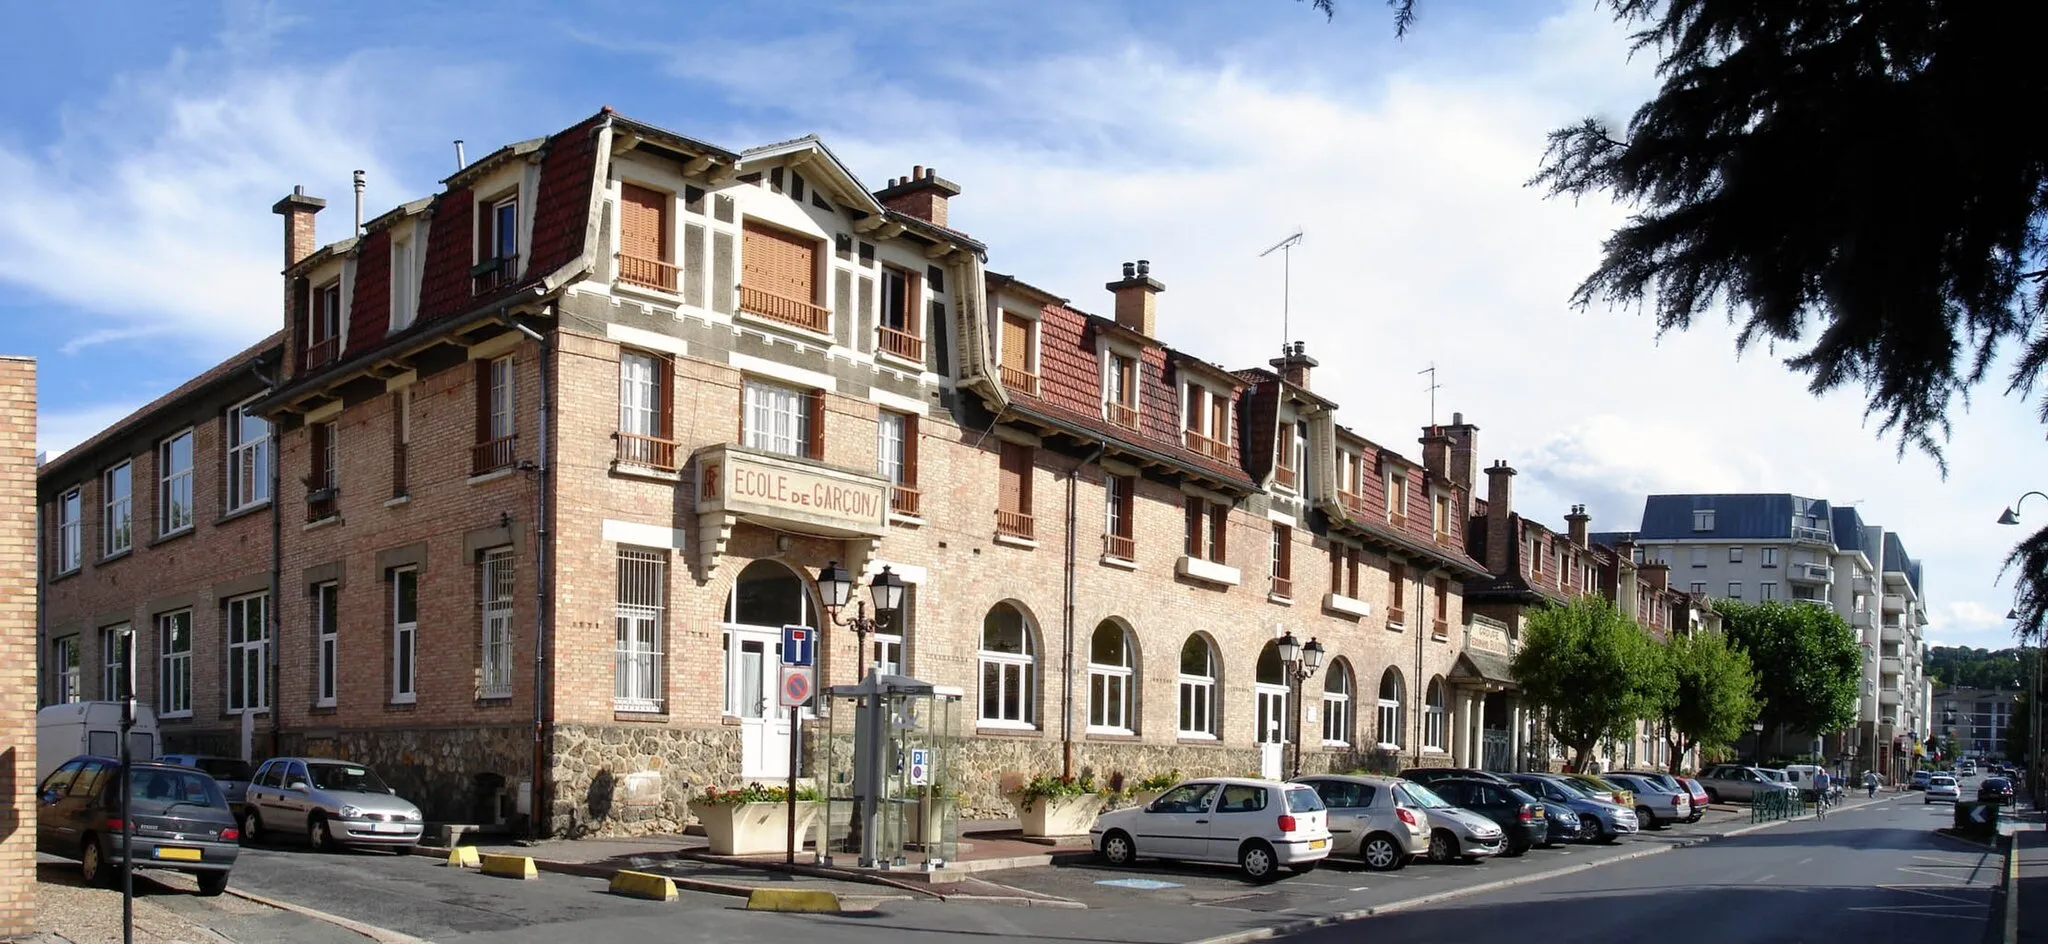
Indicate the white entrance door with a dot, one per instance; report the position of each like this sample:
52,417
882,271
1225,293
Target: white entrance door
1272,731
753,660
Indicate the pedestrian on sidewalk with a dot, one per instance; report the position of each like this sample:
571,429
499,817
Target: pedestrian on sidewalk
1870,782
1821,783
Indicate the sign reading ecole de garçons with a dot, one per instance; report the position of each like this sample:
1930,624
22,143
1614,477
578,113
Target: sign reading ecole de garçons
743,483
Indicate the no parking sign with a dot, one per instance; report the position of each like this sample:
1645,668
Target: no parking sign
795,687
920,766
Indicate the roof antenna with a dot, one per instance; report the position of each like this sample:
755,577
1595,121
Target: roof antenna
1432,388
1286,249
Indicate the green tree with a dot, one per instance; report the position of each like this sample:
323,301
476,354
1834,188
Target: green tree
1591,669
1806,660
1711,696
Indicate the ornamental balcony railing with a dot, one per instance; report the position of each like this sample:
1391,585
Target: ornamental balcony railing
791,311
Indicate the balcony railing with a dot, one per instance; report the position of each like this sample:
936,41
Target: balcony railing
1121,415
1014,524
1812,534
782,308
903,500
647,452
400,454
1018,379
493,274
322,353
322,503
490,456
1399,521
1119,547
1283,586
647,273
902,344
1284,476
1215,449
1894,603
1811,572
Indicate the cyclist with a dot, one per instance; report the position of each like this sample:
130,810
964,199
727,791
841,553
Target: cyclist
1821,783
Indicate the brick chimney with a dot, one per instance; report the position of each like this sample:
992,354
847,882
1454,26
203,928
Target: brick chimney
1500,489
1464,444
297,210
1436,451
923,194
1137,298
1576,523
1293,364
1657,574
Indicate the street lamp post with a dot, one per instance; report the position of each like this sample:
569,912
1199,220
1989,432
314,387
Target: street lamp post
1757,753
835,584
1300,662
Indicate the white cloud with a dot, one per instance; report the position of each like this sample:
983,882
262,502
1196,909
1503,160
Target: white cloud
59,430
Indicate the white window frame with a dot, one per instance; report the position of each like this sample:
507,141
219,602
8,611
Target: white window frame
1337,718
496,222
1012,669
638,670
1766,591
1111,354
249,460
1392,713
70,530
330,454
890,429
1735,554
1703,519
65,678
1436,716
1398,498
495,576
888,653
174,485
776,418
117,524
174,665
405,636
246,651
1198,692
1102,679
639,394
1734,589
326,646
501,398
117,650
1767,557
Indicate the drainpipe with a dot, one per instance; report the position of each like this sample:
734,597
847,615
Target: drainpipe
1421,686
1067,620
274,630
540,589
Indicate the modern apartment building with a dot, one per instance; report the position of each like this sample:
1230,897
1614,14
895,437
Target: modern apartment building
517,503
1975,719
1759,547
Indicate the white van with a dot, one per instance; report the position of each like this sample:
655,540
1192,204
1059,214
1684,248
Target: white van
91,727
1801,776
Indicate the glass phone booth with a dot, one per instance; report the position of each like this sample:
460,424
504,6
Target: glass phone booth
890,802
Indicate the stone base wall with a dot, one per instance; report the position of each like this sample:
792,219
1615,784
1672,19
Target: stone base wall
451,774
615,780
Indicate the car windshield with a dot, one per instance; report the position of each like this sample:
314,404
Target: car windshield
157,788
345,777
1944,781
1419,795
1520,795
1598,783
1583,788
224,768
1303,800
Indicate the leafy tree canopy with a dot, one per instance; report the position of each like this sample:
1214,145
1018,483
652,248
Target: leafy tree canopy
1710,699
1964,667
1806,660
1591,669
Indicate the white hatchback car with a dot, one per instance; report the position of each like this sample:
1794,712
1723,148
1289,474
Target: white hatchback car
1260,825
1942,787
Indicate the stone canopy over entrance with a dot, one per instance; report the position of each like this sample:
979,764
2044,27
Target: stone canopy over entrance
737,484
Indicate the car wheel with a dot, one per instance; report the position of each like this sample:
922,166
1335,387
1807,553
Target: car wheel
1647,818
252,827
92,863
1257,860
1117,849
1516,847
1593,830
1381,853
1443,847
1713,795
212,884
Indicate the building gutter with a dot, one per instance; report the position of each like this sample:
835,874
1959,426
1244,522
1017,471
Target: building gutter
271,607
540,469
1067,616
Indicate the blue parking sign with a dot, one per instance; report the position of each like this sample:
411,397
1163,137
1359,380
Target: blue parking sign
797,646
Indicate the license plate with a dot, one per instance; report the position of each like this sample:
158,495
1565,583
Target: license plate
177,854
387,828
1318,843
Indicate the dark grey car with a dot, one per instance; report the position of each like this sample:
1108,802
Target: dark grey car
181,821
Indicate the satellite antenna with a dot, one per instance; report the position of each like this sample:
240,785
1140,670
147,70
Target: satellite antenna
1285,248
1432,389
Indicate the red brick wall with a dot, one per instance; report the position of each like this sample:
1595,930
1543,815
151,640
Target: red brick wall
17,646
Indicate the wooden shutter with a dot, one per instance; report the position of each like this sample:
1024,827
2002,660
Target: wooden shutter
1016,343
1285,562
1397,579
319,443
1219,419
1014,461
816,447
1219,529
909,450
783,263
485,215
664,398
643,223
1194,526
483,400
912,295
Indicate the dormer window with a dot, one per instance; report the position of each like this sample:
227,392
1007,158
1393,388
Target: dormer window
1120,389
901,332
323,328
1350,477
1703,520
1441,519
1289,450
497,243
1205,421
1019,364
1397,499
779,277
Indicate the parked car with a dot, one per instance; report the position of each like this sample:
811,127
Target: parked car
1261,825
329,802
1604,789
1700,799
1803,776
1454,833
78,728
180,821
1942,787
1657,806
1599,820
1920,778
1370,820
1727,782
1429,775
1519,815
232,773
1996,790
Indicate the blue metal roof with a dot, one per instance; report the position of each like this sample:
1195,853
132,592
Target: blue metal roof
1897,561
1849,534
1736,517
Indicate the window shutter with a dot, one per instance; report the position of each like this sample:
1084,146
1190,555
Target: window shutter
664,398
1016,342
911,304
1219,419
1219,529
909,450
778,262
1286,552
484,250
816,446
482,373
643,229
1010,487
1194,526
722,295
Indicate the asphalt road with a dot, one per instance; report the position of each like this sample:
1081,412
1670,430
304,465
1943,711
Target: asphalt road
1871,875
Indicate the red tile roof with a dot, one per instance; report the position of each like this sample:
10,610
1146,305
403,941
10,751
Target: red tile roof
370,299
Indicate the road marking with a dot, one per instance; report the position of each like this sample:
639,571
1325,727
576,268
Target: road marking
1916,912
1937,875
1805,860
1922,890
1361,888
1767,878
1941,861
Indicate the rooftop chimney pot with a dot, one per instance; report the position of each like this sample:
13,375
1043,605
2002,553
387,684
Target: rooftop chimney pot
922,195
1137,298
1130,270
297,210
1294,363
1144,268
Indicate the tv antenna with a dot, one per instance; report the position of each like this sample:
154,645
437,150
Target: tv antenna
1285,248
1432,389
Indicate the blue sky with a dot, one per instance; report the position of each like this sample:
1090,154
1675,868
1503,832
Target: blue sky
142,148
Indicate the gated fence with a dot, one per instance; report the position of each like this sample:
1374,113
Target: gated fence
1777,804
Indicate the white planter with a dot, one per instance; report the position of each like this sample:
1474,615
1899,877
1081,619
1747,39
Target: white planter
753,828
1058,816
929,829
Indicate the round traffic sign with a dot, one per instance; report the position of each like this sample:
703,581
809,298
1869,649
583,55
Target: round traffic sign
796,688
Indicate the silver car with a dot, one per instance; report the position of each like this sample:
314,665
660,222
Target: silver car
331,803
1657,805
1371,820
1454,833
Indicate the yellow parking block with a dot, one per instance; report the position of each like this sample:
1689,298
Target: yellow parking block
643,885
462,857
509,866
806,901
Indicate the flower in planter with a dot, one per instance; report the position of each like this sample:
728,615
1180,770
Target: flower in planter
1159,782
753,793
1048,786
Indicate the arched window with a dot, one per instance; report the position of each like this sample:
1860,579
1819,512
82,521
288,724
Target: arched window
1009,660
1435,715
1110,679
1337,704
1198,688
1269,690
768,593
1393,709
767,596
